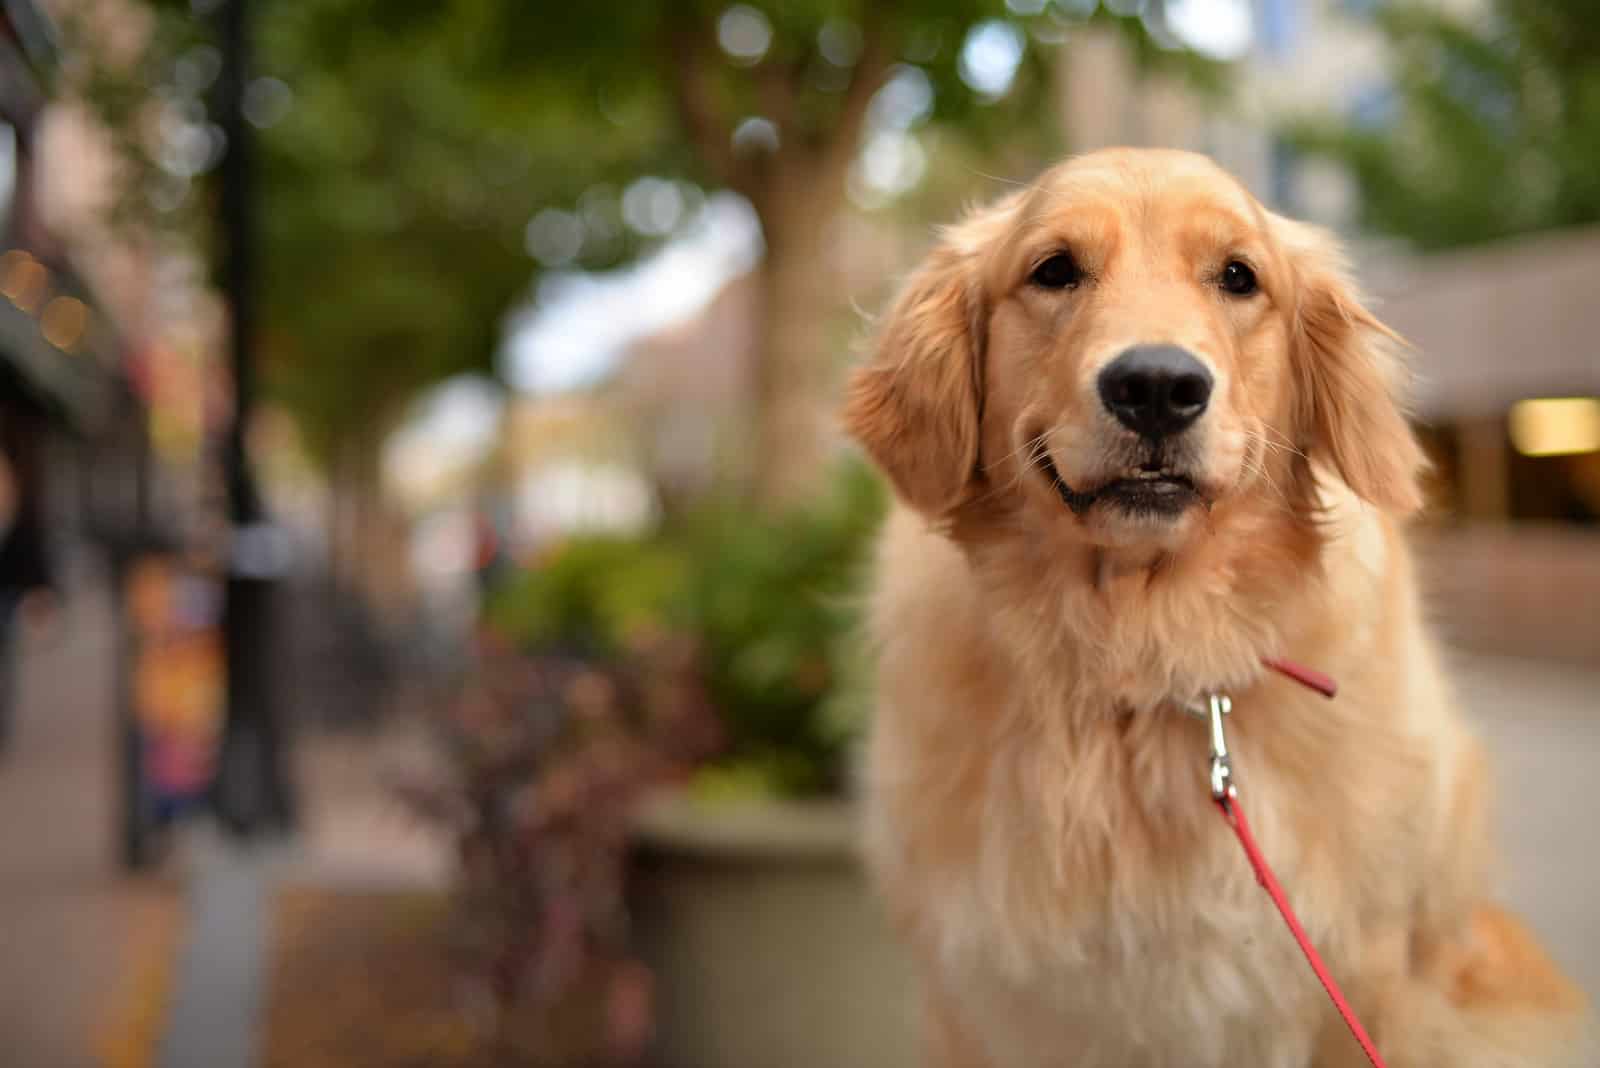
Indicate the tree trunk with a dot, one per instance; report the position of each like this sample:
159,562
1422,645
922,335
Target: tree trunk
338,519
357,515
797,191
796,368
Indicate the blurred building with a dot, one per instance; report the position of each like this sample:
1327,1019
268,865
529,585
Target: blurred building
683,388
72,427
1287,58
58,346
89,501
63,401
1508,396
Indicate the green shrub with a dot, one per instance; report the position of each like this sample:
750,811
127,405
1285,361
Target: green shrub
770,601
774,602
593,596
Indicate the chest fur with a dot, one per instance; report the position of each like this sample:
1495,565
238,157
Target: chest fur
1097,901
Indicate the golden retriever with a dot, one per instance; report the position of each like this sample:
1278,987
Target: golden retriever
1143,434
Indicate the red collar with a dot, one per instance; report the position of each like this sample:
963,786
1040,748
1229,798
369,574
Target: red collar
1310,678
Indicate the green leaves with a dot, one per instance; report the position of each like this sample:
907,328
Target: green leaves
421,138
769,602
1496,128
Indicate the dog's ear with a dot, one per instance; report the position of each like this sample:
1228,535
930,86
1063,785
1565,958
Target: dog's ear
915,404
1348,375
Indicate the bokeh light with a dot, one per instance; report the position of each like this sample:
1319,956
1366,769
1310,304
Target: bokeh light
744,33
990,56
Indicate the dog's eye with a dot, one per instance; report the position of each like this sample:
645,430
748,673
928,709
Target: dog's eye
1057,272
1238,279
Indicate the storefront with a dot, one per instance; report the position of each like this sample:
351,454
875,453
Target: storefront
77,471
1507,342
1508,365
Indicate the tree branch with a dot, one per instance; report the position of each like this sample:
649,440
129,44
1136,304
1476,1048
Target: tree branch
685,56
777,89
872,70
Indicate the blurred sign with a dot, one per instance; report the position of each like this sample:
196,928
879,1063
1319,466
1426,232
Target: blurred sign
178,681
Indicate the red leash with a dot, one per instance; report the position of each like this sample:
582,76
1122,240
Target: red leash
1241,826
1224,793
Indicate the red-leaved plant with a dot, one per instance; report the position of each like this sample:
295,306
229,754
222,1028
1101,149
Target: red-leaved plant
553,753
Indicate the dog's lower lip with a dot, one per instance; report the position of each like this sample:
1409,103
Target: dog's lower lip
1163,495
1159,491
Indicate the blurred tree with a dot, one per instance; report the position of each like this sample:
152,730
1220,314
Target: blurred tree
1492,127
391,211
406,146
774,101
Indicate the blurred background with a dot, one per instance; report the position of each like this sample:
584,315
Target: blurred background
429,561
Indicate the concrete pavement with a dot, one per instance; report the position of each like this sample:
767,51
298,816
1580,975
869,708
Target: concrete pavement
93,962
1543,727
75,932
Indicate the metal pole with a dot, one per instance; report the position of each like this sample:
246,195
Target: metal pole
251,792
238,267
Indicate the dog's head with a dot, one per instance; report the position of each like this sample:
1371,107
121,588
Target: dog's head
1124,345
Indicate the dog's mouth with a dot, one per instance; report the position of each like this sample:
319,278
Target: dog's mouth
1150,489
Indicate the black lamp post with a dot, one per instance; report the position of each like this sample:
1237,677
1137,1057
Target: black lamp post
252,790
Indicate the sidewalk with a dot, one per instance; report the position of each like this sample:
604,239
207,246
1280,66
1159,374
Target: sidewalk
94,962
1542,724
74,930
355,839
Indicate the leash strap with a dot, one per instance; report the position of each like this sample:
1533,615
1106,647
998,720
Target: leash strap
1234,815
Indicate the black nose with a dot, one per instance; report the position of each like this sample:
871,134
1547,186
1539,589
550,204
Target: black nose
1155,390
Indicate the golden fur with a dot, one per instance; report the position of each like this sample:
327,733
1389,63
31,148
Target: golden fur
1038,812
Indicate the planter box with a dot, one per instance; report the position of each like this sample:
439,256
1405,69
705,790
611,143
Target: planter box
769,947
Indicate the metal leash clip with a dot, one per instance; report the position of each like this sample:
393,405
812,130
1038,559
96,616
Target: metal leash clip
1212,708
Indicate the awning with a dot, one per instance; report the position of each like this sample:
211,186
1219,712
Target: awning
1500,323
57,350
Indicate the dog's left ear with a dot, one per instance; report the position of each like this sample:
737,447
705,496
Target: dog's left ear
1347,377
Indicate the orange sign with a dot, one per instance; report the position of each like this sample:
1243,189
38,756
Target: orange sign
178,680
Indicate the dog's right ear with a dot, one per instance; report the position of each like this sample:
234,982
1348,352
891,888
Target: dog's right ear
915,404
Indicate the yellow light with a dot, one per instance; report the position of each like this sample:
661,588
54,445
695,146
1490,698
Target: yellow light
63,322
13,259
23,279
1556,426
